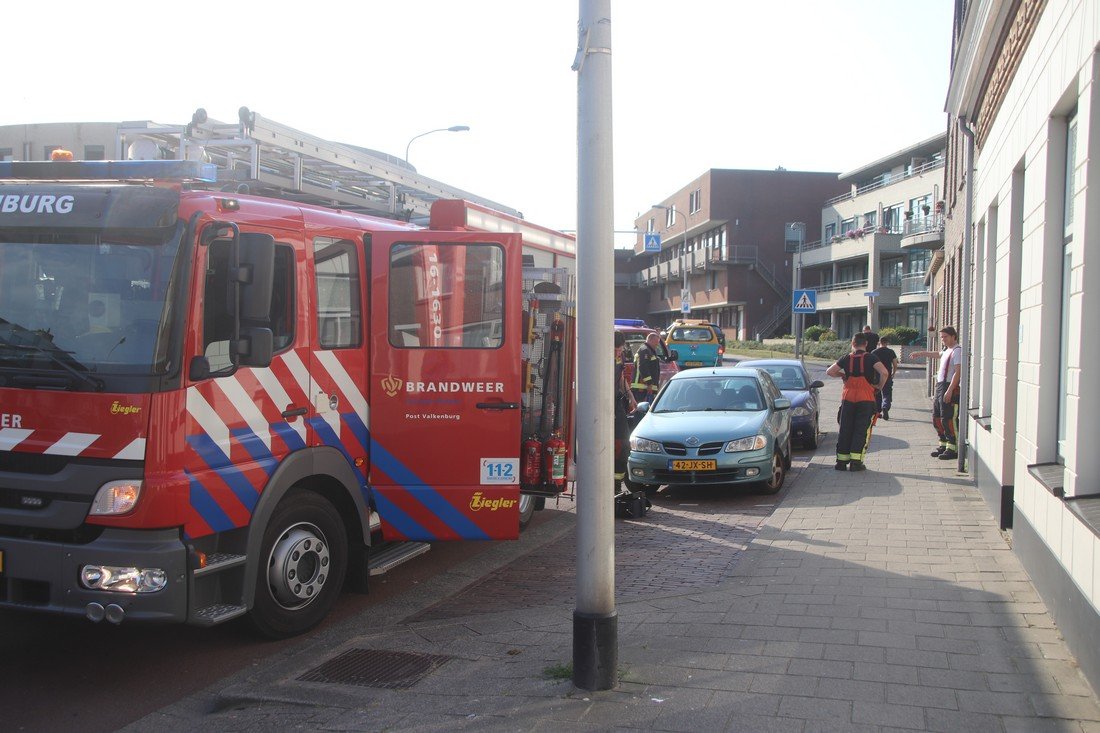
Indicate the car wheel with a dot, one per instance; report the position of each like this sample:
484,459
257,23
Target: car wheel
303,562
778,475
526,509
811,442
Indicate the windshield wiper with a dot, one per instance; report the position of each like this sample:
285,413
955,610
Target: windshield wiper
54,353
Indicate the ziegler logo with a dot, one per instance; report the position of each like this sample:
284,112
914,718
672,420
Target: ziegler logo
391,385
478,502
117,409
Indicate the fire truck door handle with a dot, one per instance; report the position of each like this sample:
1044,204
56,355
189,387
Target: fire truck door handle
295,412
498,405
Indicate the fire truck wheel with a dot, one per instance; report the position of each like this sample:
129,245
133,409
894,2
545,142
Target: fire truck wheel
526,509
304,558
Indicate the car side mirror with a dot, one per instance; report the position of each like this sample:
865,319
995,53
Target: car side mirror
816,384
641,409
673,355
782,403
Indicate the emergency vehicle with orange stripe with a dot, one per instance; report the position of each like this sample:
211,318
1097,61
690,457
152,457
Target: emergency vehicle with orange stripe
216,405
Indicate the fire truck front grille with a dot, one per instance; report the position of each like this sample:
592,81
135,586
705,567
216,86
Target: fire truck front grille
17,462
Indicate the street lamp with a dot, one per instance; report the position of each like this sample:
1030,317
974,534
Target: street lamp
796,282
684,296
453,128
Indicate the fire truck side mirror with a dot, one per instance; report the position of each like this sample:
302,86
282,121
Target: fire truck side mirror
256,347
257,277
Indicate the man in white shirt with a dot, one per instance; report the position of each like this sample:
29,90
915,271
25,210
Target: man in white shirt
945,408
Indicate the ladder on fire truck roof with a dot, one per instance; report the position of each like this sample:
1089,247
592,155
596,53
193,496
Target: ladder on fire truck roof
261,156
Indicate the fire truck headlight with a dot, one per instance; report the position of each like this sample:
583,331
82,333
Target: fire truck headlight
116,497
123,580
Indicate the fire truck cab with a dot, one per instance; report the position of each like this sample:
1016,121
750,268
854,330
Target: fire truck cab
215,405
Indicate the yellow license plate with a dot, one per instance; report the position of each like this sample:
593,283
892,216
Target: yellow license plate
693,363
697,465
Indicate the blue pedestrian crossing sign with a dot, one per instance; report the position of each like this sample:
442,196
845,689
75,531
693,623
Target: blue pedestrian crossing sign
804,301
652,241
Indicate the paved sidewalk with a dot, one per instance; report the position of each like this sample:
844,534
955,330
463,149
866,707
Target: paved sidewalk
886,600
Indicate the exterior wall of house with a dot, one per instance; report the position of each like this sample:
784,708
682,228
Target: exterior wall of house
85,140
1035,368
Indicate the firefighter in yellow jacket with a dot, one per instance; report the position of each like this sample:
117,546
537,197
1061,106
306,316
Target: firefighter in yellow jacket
647,370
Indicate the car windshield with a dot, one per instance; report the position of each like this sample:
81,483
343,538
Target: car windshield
703,394
78,304
700,334
786,377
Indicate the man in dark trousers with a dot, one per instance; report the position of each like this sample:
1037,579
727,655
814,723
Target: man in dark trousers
647,369
889,359
624,404
945,407
860,371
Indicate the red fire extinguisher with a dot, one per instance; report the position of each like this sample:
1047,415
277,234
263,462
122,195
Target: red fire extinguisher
532,461
555,460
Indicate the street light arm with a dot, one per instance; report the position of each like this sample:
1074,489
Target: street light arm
452,128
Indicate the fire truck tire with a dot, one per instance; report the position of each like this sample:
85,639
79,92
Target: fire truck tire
527,506
303,560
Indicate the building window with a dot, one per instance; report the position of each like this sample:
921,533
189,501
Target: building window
917,316
870,219
670,216
712,280
830,232
1068,187
847,225
651,224
95,152
891,218
892,272
6,154
918,205
695,200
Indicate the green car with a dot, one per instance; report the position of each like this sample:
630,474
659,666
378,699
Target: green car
712,426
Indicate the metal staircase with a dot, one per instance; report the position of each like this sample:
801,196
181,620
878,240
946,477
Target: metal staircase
258,155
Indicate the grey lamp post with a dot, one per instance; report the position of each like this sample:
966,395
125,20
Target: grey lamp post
683,250
453,128
796,279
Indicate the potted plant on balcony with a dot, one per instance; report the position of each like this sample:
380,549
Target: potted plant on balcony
909,215
925,208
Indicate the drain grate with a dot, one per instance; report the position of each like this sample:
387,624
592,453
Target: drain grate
376,668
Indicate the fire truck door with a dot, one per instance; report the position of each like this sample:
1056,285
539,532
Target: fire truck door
446,384
339,411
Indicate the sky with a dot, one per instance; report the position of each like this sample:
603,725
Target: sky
821,85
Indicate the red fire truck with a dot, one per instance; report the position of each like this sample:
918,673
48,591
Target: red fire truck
215,405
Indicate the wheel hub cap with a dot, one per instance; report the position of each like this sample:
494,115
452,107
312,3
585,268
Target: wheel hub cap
299,565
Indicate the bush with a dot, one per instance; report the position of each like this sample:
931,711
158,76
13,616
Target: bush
828,335
900,335
832,349
813,333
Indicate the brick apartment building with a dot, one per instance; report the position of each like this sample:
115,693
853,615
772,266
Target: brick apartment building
726,230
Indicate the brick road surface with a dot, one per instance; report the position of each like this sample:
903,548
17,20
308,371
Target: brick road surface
881,601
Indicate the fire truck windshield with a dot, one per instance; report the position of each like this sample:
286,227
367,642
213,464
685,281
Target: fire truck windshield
75,308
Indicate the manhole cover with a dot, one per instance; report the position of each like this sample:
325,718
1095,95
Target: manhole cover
376,668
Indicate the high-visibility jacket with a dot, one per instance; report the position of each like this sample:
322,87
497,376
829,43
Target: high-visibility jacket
647,370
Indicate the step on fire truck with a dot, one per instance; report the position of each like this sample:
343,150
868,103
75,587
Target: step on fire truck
215,404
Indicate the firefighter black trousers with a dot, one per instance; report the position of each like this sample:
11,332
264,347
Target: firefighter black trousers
854,430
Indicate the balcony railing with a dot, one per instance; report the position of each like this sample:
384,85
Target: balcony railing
913,284
886,179
848,285
924,225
